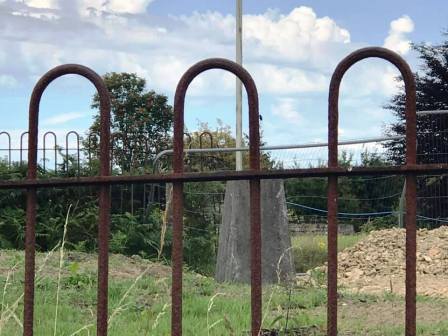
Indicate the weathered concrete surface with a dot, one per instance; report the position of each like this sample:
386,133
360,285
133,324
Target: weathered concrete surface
233,261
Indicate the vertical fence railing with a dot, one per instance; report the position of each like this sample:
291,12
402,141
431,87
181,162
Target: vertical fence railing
9,147
54,149
78,152
21,146
201,136
333,116
254,152
104,195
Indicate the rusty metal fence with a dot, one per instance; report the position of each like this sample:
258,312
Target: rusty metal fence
72,154
58,153
104,181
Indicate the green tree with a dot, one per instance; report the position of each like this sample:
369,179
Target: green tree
432,130
141,122
432,94
357,194
221,137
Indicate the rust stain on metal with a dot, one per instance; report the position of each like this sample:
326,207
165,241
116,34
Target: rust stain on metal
104,197
333,115
254,139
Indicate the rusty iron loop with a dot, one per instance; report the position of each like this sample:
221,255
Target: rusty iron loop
76,134
333,110
21,146
44,149
9,147
210,136
104,197
203,134
90,136
333,116
254,137
187,135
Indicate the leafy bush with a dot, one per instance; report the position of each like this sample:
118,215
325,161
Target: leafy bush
129,236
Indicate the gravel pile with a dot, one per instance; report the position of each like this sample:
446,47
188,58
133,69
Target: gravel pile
377,263
383,253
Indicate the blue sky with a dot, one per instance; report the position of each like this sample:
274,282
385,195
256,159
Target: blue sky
290,47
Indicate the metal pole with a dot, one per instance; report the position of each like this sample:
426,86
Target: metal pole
239,87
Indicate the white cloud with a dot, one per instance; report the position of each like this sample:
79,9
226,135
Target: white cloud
52,4
371,77
161,52
87,7
297,36
397,39
288,54
286,80
42,15
8,82
62,118
286,108
133,7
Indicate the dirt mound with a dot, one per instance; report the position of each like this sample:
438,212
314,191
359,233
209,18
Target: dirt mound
377,263
120,266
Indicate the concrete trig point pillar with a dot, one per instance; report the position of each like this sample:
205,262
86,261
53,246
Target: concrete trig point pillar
233,260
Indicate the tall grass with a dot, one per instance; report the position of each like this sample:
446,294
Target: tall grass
61,263
310,250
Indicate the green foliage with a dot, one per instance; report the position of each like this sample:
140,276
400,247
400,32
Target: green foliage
432,130
79,279
202,216
130,237
357,194
12,227
130,234
432,94
221,137
139,234
141,121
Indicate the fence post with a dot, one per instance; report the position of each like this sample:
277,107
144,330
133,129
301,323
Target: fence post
333,115
254,152
104,197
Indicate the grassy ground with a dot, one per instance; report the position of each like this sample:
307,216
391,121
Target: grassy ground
310,250
139,295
